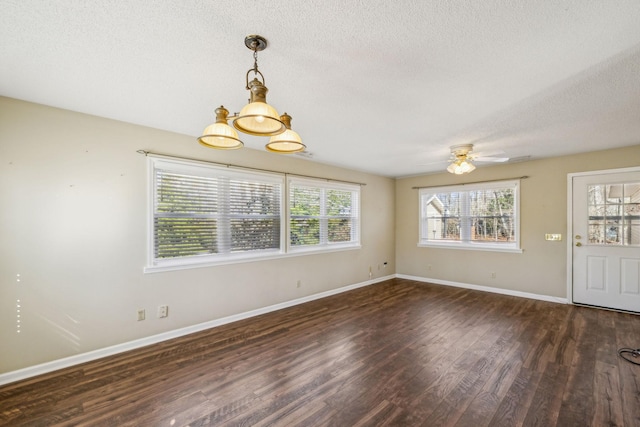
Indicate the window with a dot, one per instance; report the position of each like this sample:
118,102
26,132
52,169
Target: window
204,213
473,216
323,215
201,214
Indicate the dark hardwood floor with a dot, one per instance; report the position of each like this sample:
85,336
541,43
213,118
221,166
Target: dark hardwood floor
398,353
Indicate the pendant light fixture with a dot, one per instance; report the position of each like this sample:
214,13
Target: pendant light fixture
255,118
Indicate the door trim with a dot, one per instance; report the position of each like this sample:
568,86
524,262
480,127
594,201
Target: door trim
569,239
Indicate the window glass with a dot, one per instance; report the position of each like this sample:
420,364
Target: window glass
323,214
614,214
478,216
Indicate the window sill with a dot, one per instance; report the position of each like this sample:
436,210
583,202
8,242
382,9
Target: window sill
471,247
323,249
173,266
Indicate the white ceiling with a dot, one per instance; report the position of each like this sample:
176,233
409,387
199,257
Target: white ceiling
378,86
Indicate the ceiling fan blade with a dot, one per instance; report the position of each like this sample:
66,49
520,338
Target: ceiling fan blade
489,159
438,162
491,153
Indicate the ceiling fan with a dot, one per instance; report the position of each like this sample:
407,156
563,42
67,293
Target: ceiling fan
462,158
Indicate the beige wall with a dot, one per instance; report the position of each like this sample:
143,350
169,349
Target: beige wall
73,221
541,268
73,227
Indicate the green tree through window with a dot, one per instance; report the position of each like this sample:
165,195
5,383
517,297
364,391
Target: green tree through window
322,213
482,215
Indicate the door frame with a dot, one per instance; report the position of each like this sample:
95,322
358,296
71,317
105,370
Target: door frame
570,233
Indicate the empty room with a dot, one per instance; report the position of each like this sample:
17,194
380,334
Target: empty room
322,213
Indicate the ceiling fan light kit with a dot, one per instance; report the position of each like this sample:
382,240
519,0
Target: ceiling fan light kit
462,159
256,118
461,162
460,167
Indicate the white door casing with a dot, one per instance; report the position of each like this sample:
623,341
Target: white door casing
603,244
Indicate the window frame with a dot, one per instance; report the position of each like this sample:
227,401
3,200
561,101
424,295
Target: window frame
465,241
324,245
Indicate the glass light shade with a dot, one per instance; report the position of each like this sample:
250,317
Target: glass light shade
219,134
259,118
467,167
287,142
461,166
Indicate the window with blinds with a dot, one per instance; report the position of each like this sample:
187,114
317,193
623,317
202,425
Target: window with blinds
323,214
472,216
204,213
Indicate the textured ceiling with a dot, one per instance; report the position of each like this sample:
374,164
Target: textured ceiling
379,86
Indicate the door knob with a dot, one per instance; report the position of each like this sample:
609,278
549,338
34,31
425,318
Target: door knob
578,244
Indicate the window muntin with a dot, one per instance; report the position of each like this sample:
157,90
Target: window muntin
203,213
323,214
614,214
472,216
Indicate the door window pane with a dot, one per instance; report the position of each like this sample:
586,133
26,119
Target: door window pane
614,212
596,232
632,231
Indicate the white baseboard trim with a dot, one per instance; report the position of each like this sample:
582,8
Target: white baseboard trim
77,359
486,289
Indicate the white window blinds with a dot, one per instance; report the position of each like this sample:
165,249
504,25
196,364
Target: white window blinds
206,211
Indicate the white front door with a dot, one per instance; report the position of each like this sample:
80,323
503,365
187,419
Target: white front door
606,240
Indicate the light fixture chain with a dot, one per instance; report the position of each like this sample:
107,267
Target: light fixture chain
255,66
255,61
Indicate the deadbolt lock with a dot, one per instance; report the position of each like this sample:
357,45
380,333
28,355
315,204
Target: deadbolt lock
578,236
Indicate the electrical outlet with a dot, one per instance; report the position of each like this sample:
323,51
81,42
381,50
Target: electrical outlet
493,274
141,314
429,267
299,283
163,311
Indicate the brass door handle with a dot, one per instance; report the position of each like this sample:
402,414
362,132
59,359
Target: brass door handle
578,244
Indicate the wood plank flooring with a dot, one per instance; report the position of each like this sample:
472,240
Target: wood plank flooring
398,353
